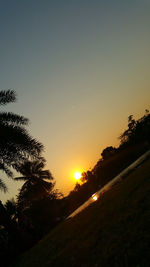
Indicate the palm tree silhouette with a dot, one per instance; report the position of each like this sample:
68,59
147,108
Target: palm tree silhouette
16,145
35,187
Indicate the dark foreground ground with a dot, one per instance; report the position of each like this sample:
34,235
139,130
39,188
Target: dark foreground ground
113,231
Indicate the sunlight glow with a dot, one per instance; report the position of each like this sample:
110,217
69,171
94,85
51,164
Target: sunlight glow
77,175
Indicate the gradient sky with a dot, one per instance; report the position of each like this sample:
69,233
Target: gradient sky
79,68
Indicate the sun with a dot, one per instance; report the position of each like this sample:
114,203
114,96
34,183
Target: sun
77,175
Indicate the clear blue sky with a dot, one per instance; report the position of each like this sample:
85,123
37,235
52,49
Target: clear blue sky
79,69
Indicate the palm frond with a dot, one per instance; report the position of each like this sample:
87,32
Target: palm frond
7,96
6,169
16,145
3,187
18,137
22,178
11,118
46,174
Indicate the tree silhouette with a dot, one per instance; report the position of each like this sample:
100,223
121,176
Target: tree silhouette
16,145
5,219
36,186
11,208
137,131
108,152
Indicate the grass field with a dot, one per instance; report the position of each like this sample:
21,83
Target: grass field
113,231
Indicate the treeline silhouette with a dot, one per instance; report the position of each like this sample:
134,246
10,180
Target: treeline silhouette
134,141
39,207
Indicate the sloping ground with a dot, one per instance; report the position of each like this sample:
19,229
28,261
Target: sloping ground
112,182
114,231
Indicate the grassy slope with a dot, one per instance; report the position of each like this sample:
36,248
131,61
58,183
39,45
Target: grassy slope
114,231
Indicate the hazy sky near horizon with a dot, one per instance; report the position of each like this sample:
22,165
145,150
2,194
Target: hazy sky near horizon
79,68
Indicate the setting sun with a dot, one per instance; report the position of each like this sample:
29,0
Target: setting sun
77,175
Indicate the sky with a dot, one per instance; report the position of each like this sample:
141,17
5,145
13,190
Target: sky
79,69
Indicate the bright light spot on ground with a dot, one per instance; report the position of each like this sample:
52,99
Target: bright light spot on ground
77,175
94,196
